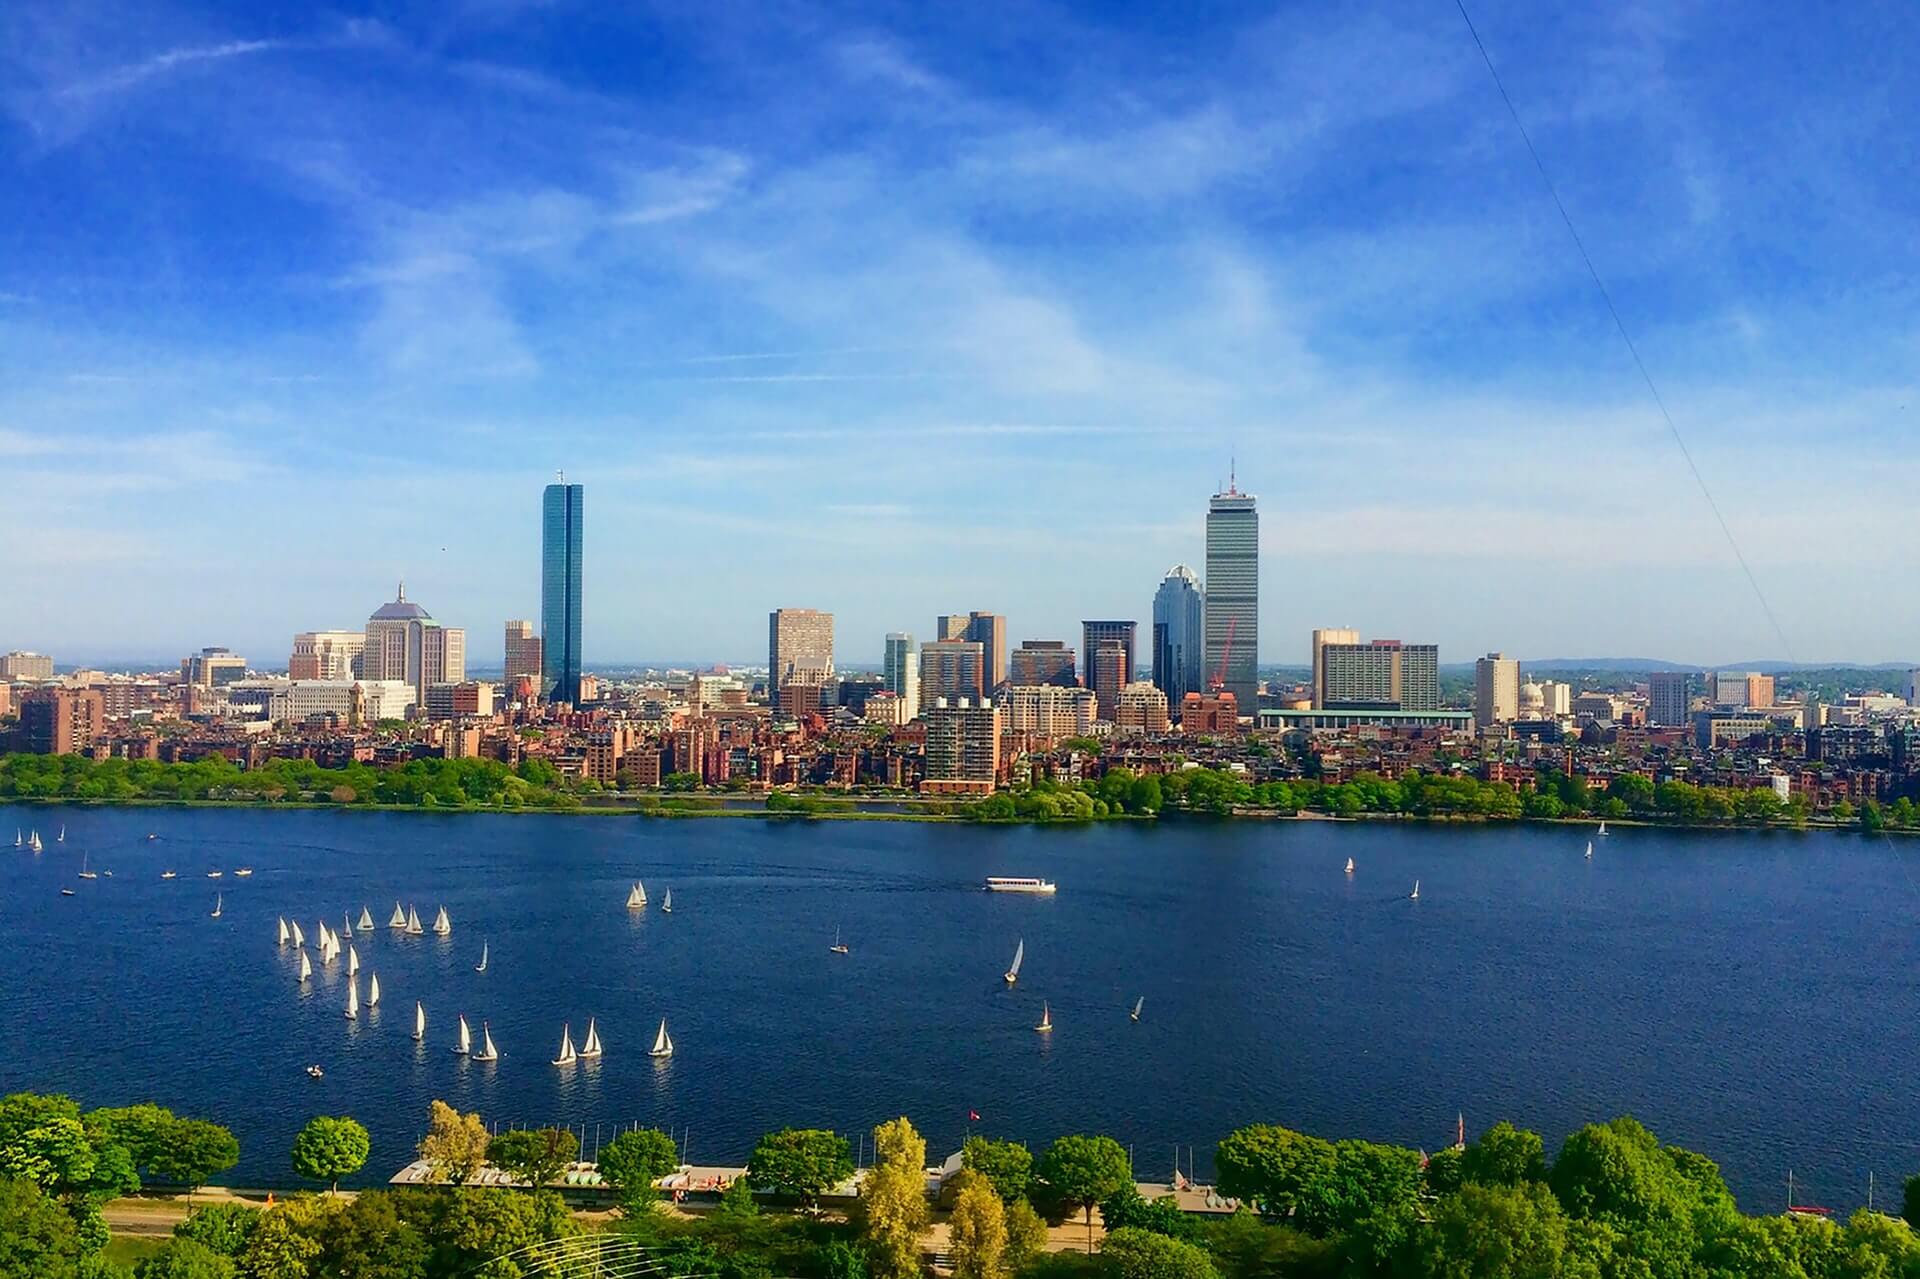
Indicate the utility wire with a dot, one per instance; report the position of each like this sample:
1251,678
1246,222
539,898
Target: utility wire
1625,336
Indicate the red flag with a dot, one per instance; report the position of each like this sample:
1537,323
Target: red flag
973,1116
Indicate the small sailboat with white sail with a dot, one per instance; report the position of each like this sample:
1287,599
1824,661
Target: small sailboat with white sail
441,924
1602,832
216,906
1589,850
398,919
85,873
283,930
1349,865
413,923
419,1020
590,1050
481,967
365,922
299,939
1415,894
637,896
346,925
1138,1004
465,1046
662,1042
666,903
373,989
306,967
487,1051
353,998
353,961
567,1055
1012,974
33,841
61,838
1046,1019
839,947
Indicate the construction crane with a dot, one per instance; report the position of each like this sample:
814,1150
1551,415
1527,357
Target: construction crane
1219,680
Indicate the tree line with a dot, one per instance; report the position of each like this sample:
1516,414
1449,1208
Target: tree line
423,783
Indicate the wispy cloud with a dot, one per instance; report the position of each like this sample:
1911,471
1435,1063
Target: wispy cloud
120,79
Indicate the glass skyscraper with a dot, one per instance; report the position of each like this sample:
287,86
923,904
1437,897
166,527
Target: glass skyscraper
1233,597
1179,622
560,532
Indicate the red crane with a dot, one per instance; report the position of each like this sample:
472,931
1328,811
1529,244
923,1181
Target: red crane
1219,680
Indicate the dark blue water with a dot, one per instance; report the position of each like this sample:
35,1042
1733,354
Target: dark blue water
1754,996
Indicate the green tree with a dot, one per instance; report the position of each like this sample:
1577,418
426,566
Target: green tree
534,1155
370,1239
893,1200
1026,1235
36,1236
1496,1231
802,1162
977,1228
1081,1171
839,1259
1162,1216
737,1200
1505,1156
456,1144
21,1112
223,1227
330,1148
184,1259
1132,1253
191,1151
1008,1165
477,1224
634,1160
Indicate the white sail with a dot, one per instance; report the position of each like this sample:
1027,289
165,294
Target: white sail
419,1020
487,1051
640,890
61,838
636,900
1046,1018
1415,894
283,930
481,967
398,919
216,905
299,938
441,924
662,1042
353,961
373,989
1019,957
346,925
666,903
413,922
1138,1004
1349,865
1589,850
592,1047
365,922
567,1054
466,1037
306,967
1603,828
353,997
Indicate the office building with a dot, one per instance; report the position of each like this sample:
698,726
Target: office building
25,666
561,527
1742,689
1140,708
900,672
1049,710
1209,713
212,668
951,626
1669,698
951,669
404,643
1044,662
526,658
1496,690
1321,638
798,639
963,745
1233,597
1179,634
1109,654
60,721
988,630
1556,698
1380,675
459,700
329,655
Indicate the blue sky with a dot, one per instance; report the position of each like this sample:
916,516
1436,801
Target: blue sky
900,309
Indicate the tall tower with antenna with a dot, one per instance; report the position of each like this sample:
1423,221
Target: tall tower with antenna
1232,623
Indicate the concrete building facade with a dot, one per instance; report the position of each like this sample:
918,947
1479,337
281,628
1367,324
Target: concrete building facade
1496,690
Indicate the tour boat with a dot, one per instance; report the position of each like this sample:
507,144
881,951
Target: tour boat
167,874
365,923
314,1071
662,1042
1012,974
243,872
419,1020
441,924
353,998
306,967
215,874
839,947
1415,894
1138,1004
465,1047
353,961
666,903
1046,1019
637,897
481,967
216,906
413,923
398,919
373,989
487,1051
283,930
591,1048
1349,865
298,938
567,1055
84,872
1019,884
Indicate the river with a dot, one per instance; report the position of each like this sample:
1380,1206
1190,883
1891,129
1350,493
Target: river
1751,995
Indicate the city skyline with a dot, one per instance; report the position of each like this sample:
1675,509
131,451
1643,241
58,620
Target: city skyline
360,283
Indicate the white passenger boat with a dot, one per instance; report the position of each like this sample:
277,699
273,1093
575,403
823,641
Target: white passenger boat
1020,884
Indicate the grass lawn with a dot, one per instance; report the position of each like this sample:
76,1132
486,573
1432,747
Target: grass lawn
127,1249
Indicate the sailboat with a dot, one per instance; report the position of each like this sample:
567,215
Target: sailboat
365,923
1603,827
465,1047
419,1020
1138,1004
487,1051
398,919
567,1056
1349,865
84,872
413,923
637,897
306,967
662,1042
441,924
61,838
353,961
167,874
373,989
1589,850
33,841
666,903
1046,1019
216,906
591,1049
298,938
1019,954
839,947
353,998
346,922
1415,894
481,967
283,930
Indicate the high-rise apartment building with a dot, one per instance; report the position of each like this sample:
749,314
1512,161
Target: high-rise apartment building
1043,662
561,527
1496,690
328,655
23,665
1233,597
404,643
1050,710
1179,634
1141,708
989,631
60,721
950,669
526,658
963,745
1381,675
212,668
1669,698
900,672
1109,654
1321,638
798,639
